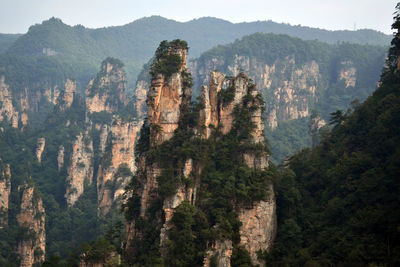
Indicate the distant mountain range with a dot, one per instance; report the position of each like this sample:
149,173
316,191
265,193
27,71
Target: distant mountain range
81,50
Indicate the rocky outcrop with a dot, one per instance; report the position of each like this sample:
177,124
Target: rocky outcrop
140,97
7,109
168,103
41,142
289,86
219,254
31,248
166,98
107,91
348,73
60,157
80,169
5,190
259,226
66,97
119,153
316,124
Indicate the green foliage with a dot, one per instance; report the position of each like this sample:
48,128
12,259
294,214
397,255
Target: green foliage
287,54
166,63
288,138
337,204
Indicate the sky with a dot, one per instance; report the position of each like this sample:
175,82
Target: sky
17,15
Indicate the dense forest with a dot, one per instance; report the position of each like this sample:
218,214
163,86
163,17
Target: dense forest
338,202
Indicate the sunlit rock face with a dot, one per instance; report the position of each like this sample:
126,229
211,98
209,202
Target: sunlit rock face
288,87
167,101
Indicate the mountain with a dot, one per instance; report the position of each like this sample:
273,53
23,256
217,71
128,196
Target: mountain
337,203
203,171
297,79
81,49
6,40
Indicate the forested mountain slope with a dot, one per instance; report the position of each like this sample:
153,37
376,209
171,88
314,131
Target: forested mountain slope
82,49
338,203
6,40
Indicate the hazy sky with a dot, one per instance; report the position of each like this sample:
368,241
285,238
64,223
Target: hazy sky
17,15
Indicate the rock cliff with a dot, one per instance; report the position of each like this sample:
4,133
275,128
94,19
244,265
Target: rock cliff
7,110
118,161
107,91
5,190
220,110
80,170
32,246
40,144
316,124
290,88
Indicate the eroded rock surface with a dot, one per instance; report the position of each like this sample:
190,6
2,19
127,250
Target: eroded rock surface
5,190
31,249
80,169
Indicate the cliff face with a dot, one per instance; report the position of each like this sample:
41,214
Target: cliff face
17,103
107,91
168,106
80,169
5,189
7,109
290,89
167,97
40,144
118,161
66,97
31,217
259,226
316,124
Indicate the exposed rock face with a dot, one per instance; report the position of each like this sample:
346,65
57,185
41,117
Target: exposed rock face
141,96
107,91
168,101
5,189
41,142
81,168
221,253
259,222
66,97
7,110
348,73
166,98
119,152
290,85
60,157
259,227
32,218
316,124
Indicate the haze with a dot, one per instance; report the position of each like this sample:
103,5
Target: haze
17,15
